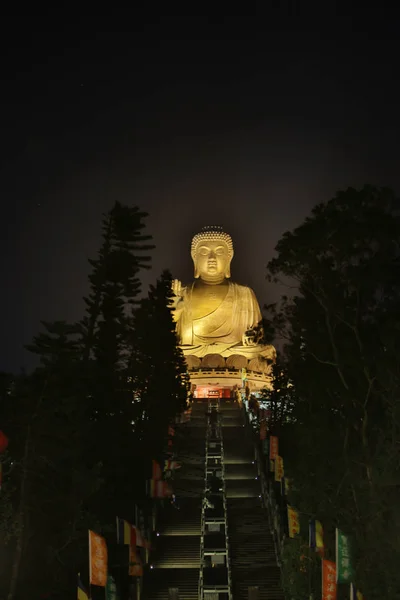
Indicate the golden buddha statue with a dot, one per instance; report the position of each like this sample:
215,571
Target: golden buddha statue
213,315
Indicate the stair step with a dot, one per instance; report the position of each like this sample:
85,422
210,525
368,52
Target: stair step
157,582
176,559
185,521
242,471
177,551
243,488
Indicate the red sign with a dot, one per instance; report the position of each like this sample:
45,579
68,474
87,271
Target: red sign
329,586
3,442
97,559
273,447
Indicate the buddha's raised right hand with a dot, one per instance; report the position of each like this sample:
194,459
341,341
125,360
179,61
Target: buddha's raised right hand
177,288
177,300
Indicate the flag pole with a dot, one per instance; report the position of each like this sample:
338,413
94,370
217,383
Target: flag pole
337,552
90,566
116,519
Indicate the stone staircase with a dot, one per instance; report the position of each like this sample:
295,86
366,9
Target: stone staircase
176,551
176,559
252,552
253,559
156,585
185,521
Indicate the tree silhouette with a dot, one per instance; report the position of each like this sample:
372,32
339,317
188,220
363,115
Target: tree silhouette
342,354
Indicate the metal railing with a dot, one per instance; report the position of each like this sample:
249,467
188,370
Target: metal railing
268,495
203,593
203,519
228,560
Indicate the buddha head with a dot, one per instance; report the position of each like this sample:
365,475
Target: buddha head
212,252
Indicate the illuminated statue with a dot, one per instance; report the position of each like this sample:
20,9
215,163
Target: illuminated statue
214,315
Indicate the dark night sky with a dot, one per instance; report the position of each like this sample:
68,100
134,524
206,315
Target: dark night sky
245,122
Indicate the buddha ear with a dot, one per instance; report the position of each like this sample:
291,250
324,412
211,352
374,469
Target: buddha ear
228,269
196,271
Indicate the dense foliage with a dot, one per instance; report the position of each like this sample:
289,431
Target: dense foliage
85,425
342,358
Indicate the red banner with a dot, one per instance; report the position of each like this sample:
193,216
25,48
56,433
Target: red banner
135,563
159,489
329,586
156,474
273,447
3,442
97,559
279,472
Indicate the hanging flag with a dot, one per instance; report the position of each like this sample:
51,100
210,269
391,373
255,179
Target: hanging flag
111,589
130,534
273,447
303,559
143,530
140,538
293,521
156,474
316,536
329,586
159,489
286,485
263,430
97,559
123,531
343,558
3,442
82,593
279,468
135,563
355,594
171,465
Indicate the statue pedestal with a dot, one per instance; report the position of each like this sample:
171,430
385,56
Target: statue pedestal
214,374
225,378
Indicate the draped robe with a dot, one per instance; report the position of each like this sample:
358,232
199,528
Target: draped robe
221,331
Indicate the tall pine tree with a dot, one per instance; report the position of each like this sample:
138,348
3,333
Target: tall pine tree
158,368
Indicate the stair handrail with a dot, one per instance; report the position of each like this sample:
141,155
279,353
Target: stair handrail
203,516
228,559
268,494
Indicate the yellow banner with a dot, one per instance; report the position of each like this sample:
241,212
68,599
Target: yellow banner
293,522
279,468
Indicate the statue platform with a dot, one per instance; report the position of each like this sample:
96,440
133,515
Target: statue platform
228,378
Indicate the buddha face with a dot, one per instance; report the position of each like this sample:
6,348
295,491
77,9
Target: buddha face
212,261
